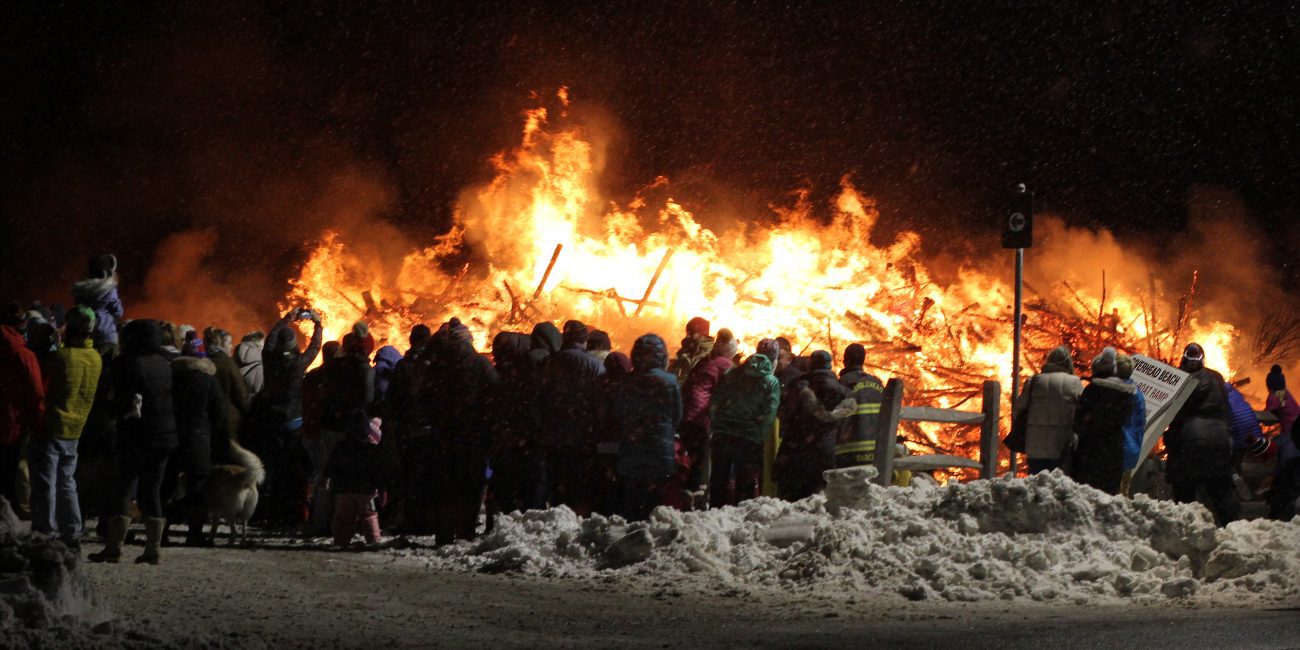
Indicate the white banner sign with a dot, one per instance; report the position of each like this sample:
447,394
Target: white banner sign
1165,389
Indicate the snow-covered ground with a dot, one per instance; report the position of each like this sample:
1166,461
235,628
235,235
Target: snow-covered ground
1002,563
1044,538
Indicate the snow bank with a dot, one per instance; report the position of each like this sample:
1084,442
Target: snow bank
41,581
1044,538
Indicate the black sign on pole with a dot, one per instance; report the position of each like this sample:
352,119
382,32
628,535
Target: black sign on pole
1018,220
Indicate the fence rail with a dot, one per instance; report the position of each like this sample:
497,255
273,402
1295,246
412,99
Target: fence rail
892,412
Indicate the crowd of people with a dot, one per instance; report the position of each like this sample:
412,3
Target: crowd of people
422,442
1095,433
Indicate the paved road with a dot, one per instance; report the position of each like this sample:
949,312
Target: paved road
301,598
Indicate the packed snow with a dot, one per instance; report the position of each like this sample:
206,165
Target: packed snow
1043,538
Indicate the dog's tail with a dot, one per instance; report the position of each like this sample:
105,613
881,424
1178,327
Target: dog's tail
249,461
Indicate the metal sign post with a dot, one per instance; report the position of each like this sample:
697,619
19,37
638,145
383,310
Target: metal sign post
1018,233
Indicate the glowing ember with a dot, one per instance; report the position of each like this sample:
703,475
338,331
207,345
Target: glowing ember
636,268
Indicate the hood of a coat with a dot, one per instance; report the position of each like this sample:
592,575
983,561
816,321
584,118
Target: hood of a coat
141,338
10,339
387,358
91,290
248,353
649,353
510,348
1058,360
547,337
204,366
758,365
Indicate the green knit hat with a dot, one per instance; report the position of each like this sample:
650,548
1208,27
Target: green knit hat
80,322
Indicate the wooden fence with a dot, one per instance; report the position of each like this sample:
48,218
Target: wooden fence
892,412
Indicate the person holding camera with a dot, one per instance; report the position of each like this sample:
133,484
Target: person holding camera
279,415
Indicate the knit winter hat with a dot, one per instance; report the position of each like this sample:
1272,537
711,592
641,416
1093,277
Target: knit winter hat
362,330
80,322
1123,366
575,333
598,341
1103,365
1193,358
768,348
724,343
330,350
1275,380
855,355
458,333
820,360
193,346
697,325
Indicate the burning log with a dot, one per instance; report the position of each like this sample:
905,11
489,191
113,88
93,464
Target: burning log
546,276
663,263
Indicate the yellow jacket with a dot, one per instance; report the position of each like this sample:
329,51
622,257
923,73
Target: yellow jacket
71,375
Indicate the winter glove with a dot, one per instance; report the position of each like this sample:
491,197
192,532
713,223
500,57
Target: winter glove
135,410
845,409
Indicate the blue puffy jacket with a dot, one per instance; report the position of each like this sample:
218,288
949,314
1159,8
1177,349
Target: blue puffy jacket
1241,419
647,407
1134,429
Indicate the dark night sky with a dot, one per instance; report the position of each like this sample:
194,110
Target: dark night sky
170,118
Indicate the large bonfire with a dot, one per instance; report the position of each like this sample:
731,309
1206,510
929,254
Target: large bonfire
539,243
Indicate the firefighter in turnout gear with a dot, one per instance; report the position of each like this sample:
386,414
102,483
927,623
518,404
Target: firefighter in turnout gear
856,444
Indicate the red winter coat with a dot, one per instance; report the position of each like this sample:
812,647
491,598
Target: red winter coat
22,393
698,390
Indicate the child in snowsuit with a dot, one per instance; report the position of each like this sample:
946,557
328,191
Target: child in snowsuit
353,476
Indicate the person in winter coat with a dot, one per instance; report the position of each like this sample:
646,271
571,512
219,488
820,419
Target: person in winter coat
347,394
1199,443
855,444
566,416
279,418
249,357
99,292
695,348
460,381
606,487
146,433
22,399
742,411
385,365
1280,402
218,344
1099,418
1048,401
697,392
1284,495
409,444
513,485
201,423
647,412
71,376
812,409
1242,422
355,477
1135,426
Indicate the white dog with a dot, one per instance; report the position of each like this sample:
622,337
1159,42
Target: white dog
231,492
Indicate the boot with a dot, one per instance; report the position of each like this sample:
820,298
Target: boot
115,533
153,532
